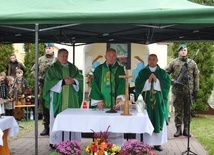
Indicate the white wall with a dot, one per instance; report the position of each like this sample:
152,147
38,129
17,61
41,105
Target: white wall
161,51
19,51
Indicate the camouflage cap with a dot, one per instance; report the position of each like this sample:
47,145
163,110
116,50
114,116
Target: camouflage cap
49,45
181,47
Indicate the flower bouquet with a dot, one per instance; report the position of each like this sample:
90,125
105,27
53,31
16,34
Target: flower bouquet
67,148
101,146
135,147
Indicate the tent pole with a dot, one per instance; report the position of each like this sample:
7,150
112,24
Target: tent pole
73,44
36,86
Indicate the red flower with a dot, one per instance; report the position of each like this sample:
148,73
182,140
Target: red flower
94,147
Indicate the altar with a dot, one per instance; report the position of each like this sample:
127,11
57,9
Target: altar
86,120
10,128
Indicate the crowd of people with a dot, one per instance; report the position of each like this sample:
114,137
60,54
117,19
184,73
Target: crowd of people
13,86
61,87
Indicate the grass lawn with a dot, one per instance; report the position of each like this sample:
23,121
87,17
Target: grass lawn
202,127
25,127
28,126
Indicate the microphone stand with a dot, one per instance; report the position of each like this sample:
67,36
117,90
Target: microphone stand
188,151
112,110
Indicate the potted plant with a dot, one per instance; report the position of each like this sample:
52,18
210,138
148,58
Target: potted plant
67,148
136,147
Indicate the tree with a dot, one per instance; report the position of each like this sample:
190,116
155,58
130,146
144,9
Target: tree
204,2
5,51
205,63
30,61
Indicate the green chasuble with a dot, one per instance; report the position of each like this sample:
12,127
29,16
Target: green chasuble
68,97
101,89
156,101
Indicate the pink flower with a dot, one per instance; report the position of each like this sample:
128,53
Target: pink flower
136,147
68,148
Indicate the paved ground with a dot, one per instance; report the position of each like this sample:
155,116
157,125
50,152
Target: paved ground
175,146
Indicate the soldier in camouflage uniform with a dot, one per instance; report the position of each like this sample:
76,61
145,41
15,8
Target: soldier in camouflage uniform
183,89
43,63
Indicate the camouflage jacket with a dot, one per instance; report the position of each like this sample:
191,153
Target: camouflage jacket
43,63
20,86
175,68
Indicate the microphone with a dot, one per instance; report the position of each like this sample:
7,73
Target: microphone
110,66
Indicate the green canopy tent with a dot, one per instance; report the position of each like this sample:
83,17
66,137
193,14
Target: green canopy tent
103,11
90,21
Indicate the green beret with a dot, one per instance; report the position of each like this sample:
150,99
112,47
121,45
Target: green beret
49,45
181,47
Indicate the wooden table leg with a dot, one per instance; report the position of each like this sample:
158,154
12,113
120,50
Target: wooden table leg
4,150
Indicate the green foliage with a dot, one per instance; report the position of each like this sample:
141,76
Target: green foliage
30,61
5,51
205,63
204,2
170,52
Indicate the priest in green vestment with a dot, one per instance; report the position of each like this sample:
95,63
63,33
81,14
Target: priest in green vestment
101,87
63,88
100,94
154,85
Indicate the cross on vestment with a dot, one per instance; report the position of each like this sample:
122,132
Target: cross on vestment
126,102
55,136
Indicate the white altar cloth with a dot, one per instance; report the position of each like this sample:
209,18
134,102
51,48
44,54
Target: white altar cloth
86,120
9,122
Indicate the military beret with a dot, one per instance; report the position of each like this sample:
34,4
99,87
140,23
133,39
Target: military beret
181,47
49,45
